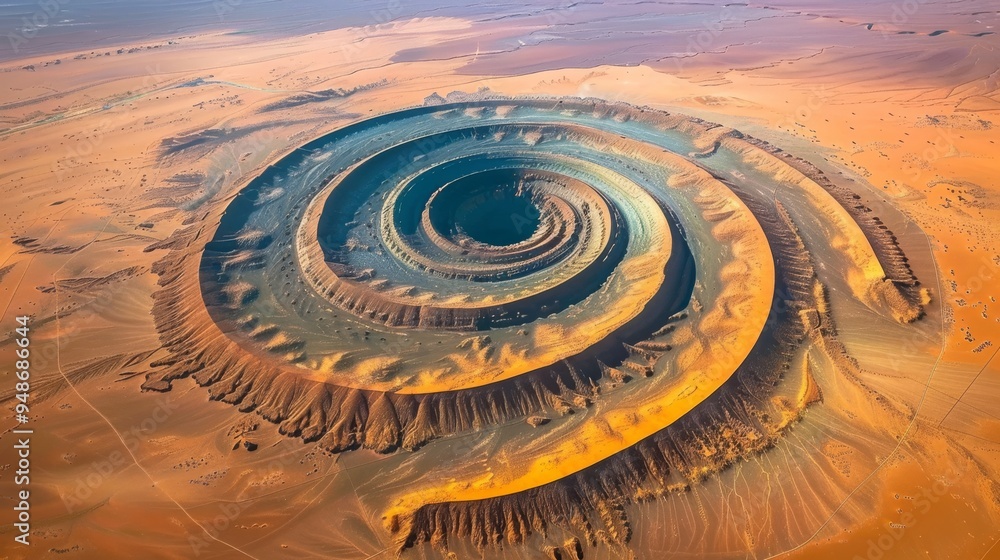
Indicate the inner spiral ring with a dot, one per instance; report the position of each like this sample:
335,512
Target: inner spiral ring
579,244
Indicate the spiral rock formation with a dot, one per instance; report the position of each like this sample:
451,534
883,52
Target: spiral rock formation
457,267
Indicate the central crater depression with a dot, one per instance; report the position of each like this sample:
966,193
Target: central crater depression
480,210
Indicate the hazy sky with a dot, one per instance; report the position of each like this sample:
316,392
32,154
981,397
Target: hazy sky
46,26
631,31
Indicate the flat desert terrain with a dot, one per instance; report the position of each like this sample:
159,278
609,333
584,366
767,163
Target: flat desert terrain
544,279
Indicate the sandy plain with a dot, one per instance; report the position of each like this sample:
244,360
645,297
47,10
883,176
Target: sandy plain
89,178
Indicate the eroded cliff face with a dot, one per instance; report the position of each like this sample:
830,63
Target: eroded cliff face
766,396
641,289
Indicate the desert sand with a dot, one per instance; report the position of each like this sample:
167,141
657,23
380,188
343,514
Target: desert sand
825,389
